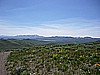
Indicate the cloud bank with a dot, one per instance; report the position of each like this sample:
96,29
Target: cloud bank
64,27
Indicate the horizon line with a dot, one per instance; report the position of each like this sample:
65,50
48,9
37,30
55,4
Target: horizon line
52,35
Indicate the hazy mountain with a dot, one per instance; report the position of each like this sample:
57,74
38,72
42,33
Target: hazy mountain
68,39
54,39
23,41
22,37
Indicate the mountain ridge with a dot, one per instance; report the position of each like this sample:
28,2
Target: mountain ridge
36,36
14,42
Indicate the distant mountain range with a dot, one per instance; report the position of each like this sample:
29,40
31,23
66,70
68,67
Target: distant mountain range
22,37
22,41
54,39
35,36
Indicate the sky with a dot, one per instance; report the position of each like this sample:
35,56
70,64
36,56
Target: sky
78,18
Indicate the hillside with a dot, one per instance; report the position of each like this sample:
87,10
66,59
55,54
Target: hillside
14,44
69,59
7,44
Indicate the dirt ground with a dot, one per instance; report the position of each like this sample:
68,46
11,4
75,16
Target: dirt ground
3,57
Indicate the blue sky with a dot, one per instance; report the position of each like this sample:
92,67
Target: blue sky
50,17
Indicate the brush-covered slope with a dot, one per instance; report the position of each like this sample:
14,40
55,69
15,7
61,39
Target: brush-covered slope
69,59
12,43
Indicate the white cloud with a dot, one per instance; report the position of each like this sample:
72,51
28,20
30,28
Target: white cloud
70,27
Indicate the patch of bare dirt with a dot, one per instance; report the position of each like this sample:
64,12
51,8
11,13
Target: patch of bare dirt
3,57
